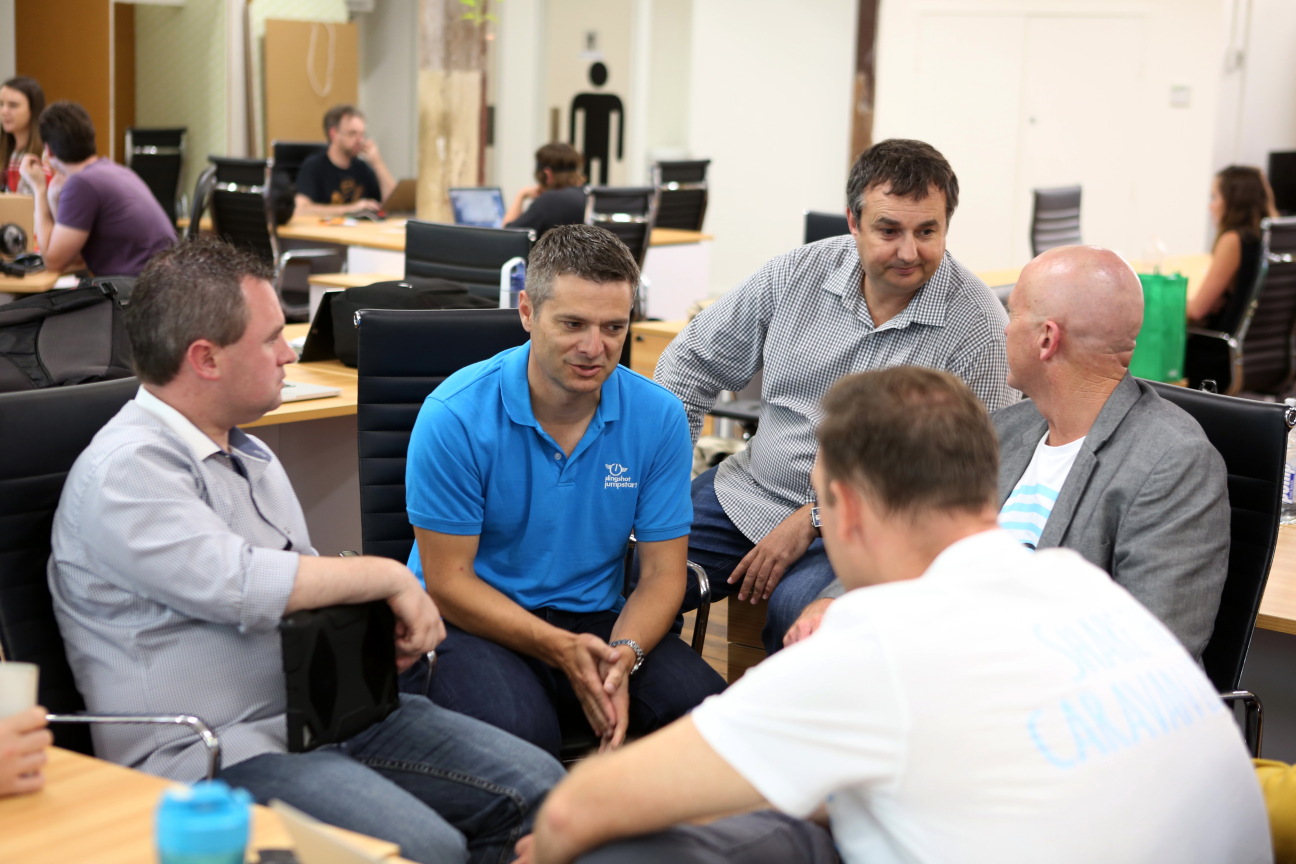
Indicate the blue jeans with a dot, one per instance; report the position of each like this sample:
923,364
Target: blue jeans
445,787
535,701
763,837
717,544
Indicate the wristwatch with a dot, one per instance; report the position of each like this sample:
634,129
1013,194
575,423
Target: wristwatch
815,520
634,646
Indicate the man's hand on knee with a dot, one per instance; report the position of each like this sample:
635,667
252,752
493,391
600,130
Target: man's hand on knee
808,621
580,663
761,569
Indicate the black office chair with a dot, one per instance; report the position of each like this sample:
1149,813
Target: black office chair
289,156
41,434
682,193
628,212
241,209
1055,220
821,226
404,356
1251,437
198,205
157,156
469,255
1253,350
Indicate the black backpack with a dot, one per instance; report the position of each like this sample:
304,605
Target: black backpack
333,332
64,337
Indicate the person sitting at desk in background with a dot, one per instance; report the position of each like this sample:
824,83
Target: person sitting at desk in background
527,474
24,740
1094,460
559,196
1240,198
968,700
106,216
21,102
348,175
889,293
179,545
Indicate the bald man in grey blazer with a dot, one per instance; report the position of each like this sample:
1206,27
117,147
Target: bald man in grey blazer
1094,460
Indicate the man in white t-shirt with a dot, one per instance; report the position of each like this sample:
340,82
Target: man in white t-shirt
972,701
1094,460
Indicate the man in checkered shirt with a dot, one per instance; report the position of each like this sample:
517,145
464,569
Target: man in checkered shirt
887,295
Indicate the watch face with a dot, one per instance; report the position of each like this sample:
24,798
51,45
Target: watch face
814,517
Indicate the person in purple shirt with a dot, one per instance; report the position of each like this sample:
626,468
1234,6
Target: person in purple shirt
93,208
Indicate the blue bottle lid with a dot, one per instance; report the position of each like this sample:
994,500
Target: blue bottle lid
205,818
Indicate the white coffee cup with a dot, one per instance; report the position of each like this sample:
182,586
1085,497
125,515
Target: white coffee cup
17,687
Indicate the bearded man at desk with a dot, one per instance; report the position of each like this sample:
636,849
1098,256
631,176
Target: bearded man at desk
179,545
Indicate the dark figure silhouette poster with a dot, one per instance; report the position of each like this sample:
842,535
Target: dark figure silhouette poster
598,109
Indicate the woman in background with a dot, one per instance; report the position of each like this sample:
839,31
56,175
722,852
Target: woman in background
559,199
1240,198
21,102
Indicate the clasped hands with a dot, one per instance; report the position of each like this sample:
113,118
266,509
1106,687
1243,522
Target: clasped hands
600,677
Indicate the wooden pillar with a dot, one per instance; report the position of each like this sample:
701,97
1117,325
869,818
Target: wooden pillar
865,65
451,98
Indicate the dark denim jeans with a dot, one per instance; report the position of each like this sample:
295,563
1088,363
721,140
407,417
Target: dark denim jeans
445,787
535,702
717,544
763,837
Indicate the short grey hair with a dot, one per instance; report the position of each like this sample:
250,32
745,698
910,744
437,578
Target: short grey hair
587,251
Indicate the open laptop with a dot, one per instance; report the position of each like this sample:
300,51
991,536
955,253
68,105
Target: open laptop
401,202
482,206
314,843
294,391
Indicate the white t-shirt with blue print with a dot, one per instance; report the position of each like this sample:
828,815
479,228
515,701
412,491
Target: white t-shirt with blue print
1027,509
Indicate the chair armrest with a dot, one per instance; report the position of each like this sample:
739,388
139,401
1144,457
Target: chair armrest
1253,719
195,724
703,614
311,255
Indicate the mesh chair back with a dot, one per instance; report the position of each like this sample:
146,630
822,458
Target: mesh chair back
682,194
821,226
289,155
1265,334
630,212
403,356
157,156
42,432
1251,436
465,254
1056,219
240,205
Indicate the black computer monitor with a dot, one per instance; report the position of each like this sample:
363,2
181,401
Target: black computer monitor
1282,178
289,155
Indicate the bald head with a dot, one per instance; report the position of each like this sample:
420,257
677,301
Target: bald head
1093,296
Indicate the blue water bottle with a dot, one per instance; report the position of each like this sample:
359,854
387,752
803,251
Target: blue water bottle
206,823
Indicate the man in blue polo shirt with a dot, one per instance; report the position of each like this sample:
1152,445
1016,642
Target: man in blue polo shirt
527,474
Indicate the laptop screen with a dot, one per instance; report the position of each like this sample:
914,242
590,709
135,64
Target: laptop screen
482,206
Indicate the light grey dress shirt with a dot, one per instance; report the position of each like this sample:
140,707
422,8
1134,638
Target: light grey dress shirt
802,319
172,564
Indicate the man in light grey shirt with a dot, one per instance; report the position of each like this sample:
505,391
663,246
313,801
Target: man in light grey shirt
887,295
179,544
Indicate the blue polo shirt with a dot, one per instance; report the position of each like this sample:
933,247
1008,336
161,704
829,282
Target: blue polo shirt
552,528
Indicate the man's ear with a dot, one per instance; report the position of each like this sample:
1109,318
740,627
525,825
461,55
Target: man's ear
525,310
1050,339
849,507
204,357
852,223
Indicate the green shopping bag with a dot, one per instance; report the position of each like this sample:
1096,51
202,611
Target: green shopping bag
1159,352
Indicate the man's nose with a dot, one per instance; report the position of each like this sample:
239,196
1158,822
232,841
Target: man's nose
908,250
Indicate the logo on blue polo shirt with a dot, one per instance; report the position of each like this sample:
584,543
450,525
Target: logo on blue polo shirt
618,477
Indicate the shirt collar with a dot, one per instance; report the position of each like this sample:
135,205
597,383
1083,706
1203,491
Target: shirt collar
197,440
516,391
194,438
928,306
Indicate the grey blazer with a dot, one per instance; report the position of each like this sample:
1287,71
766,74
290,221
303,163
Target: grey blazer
1146,500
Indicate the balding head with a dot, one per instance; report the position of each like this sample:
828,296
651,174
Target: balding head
1079,307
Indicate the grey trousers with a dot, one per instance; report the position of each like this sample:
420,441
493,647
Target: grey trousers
764,837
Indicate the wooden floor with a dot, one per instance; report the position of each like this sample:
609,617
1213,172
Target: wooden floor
716,649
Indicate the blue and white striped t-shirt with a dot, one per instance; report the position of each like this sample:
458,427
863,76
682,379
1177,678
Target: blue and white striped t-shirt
1027,509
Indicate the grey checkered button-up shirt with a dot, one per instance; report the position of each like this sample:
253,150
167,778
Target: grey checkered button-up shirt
803,320
172,564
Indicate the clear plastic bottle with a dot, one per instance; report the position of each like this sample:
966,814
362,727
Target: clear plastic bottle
1289,472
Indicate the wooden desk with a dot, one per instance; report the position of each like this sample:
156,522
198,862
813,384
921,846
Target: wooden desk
95,811
33,283
1278,606
389,234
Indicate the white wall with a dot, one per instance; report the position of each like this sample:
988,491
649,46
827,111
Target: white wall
389,81
1104,119
770,106
1257,111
